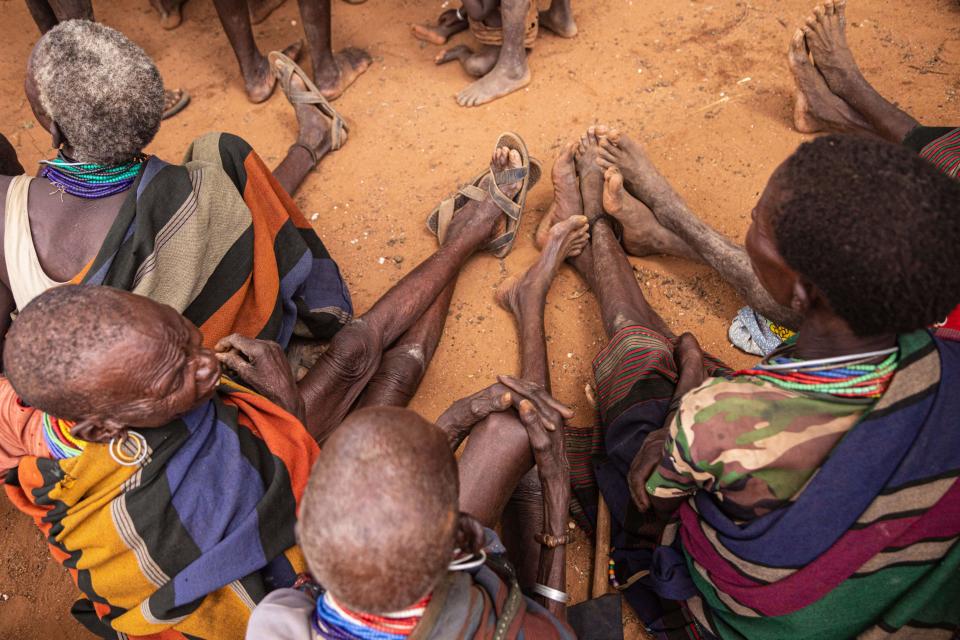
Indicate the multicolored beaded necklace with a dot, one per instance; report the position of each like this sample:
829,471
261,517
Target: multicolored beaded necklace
844,377
57,436
88,180
333,621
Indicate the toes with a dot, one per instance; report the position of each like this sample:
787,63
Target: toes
514,158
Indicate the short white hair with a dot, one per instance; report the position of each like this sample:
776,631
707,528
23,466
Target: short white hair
102,90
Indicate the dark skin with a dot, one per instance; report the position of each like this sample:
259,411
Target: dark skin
822,333
332,72
68,231
332,387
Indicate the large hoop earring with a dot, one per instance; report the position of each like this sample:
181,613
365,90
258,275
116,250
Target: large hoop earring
129,450
468,562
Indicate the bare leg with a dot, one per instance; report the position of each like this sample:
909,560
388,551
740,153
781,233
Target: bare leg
497,454
511,72
258,78
332,386
331,73
559,19
48,13
448,24
314,133
816,107
405,363
618,293
729,259
643,235
476,64
826,37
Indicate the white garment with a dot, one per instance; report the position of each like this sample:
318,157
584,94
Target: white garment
284,614
27,277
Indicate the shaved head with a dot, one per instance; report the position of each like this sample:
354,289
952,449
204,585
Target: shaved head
379,516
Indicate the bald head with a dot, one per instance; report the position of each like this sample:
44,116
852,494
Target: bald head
379,515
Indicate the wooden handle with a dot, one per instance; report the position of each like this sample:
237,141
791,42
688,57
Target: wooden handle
601,557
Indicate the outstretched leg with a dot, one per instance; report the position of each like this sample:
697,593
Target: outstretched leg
332,73
511,72
497,454
258,78
405,363
826,36
729,259
313,143
332,386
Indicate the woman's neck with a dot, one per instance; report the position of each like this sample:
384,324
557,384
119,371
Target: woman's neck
825,336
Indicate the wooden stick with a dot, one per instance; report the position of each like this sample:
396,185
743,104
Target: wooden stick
601,557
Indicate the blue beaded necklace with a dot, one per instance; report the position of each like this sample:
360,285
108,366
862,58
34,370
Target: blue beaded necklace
90,180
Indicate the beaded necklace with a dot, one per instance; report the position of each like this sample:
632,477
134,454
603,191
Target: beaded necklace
57,436
848,377
88,180
333,621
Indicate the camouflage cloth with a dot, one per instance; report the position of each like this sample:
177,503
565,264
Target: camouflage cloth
750,443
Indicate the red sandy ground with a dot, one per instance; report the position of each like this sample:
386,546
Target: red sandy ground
703,84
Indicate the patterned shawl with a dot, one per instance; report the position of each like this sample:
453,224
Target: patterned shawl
868,548
185,545
221,242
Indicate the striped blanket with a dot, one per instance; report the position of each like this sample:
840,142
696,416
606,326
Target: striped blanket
221,242
869,548
187,544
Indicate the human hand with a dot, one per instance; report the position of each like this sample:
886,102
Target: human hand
542,416
646,461
262,365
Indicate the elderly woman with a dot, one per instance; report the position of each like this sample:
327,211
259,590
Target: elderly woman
815,494
217,238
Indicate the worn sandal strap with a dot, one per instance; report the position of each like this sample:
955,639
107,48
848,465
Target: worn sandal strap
509,176
444,215
473,192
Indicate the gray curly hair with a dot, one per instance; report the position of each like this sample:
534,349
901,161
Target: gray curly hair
102,90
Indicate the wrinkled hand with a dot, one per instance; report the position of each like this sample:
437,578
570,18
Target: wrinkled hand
644,464
262,365
542,416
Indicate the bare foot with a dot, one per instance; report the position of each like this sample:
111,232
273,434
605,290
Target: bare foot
559,19
347,66
566,194
643,235
502,80
826,37
262,81
314,127
529,292
639,175
170,14
447,25
476,64
817,108
590,172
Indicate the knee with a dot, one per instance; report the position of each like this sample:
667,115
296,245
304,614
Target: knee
354,352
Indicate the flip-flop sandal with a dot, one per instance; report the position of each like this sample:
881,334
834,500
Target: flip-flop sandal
178,99
284,68
529,172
